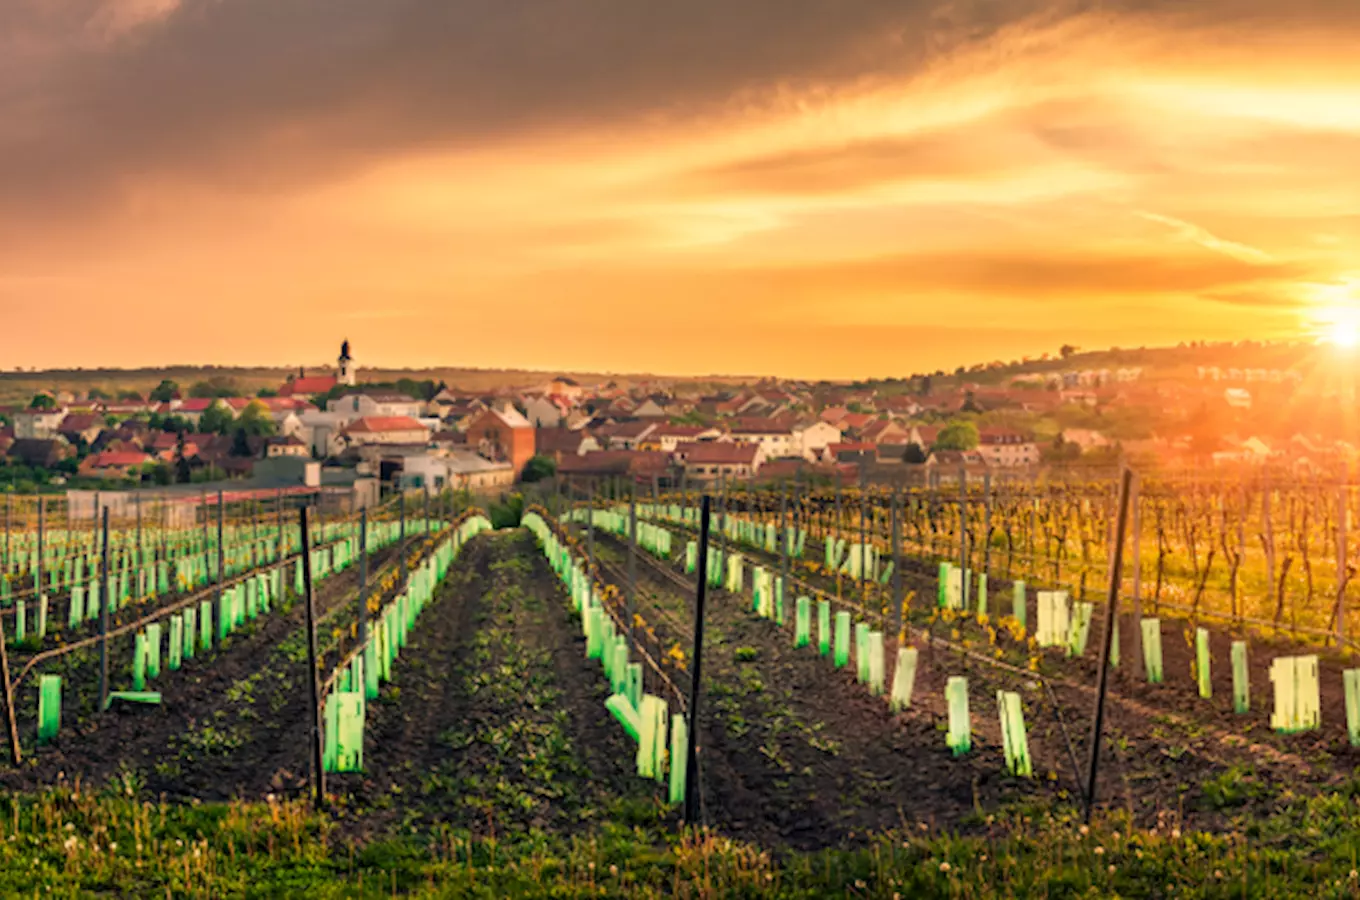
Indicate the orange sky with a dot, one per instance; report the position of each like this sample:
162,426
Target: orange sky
800,187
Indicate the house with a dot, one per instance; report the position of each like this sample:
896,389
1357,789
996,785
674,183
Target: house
502,435
546,411
1004,448
1085,438
114,464
624,435
885,431
385,404
38,423
286,445
775,436
924,436
642,466
814,437
81,427
383,430
566,387
41,453
650,408
459,470
833,415
666,437
559,443
850,452
952,460
710,460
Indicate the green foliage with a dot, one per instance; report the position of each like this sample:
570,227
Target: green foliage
959,434
95,393
266,392
914,454
539,468
129,396
43,401
255,420
215,386
507,513
216,419
163,392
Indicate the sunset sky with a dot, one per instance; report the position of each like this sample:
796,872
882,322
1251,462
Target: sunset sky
817,188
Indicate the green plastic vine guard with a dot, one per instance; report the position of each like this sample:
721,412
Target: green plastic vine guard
904,679
942,586
824,627
875,642
960,737
842,639
1014,742
49,707
1152,650
623,711
76,613
153,650
982,594
779,600
1298,704
330,745
139,662
205,612
1241,682
1202,663
619,673
1351,679
861,652
634,692
1054,619
1114,645
802,633
20,620
651,736
679,759
176,642
1079,629
190,629
350,716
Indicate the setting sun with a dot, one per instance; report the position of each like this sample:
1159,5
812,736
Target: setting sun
1342,329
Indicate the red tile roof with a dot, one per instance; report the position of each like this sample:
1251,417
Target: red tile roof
116,458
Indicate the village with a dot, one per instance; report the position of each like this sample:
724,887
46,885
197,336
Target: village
336,432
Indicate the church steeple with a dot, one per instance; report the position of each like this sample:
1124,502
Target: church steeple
345,374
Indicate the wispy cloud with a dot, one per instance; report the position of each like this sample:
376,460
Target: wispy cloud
1193,234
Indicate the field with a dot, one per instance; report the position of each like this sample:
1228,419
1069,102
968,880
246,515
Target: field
491,765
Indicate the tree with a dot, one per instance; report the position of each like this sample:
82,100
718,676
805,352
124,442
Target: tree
970,404
914,454
183,471
266,392
95,393
130,396
256,420
216,419
538,468
43,401
216,386
957,435
925,386
164,392
1067,351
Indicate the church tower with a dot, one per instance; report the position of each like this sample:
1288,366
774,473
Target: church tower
345,374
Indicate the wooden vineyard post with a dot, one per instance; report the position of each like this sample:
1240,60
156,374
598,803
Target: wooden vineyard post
15,754
691,756
963,536
221,555
1342,573
899,617
313,688
1111,612
1136,657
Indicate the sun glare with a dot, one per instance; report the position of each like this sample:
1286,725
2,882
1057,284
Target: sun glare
1343,333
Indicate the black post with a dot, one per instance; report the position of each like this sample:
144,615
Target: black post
632,560
401,499
899,619
863,531
221,554
38,578
104,612
313,687
427,510
963,535
138,495
986,521
1111,611
692,761
7,515
363,576
784,540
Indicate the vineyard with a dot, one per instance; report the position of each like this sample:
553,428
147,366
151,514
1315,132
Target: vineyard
854,692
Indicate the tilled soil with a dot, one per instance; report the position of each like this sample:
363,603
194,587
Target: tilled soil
494,721
232,722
